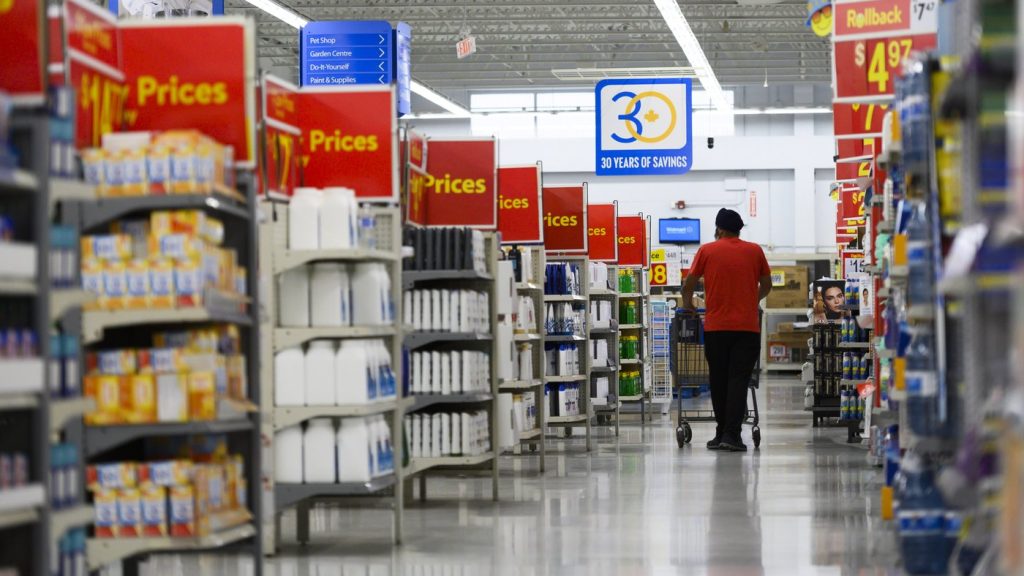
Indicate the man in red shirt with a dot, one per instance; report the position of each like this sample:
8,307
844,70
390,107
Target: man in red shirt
736,278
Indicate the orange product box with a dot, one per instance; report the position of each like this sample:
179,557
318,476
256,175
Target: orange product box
112,476
106,247
188,284
161,283
134,167
129,513
154,510
139,398
161,223
115,287
238,380
107,392
217,483
160,360
105,513
175,246
166,473
202,396
183,511
201,486
188,222
172,397
137,284
183,169
117,362
158,168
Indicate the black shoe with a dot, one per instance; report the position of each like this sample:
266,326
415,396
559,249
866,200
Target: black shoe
715,443
732,443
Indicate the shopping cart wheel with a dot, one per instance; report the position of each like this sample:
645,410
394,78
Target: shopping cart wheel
756,434
683,435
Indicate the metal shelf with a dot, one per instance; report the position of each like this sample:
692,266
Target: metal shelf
12,402
21,505
65,189
18,287
554,379
636,398
529,435
291,337
95,322
62,300
565,420
899,271
922,312
528,287
103,551
628,361
63,410
855,345
527,337
625,295
99,439
419,339
288,416
421,401
565,298
519,385
101,211
783,366
285,260
563,338
603,331
288,495
603,369
602,292
785,311
631,327
65,519
18,180
852,382
419,465
413,276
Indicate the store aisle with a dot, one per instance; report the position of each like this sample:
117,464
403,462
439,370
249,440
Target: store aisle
801,506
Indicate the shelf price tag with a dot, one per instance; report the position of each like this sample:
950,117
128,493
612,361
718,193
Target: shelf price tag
658,274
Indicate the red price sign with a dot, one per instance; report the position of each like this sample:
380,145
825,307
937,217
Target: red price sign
100,98
520,205
853,206
659,274
21,48
417,150
415,206
462,183
632,241
868,68
283,136
565,219
853,120
602,233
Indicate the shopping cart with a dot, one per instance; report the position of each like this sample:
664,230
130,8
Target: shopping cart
690,369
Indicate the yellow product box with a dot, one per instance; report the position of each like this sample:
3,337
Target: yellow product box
241,280
228,270
129,513
212,231
175,246
202,396
183,511
115,287
172,397
154,510
113,476
215,364
238,379
211,263
161,283
106,247
107,392
92,168
191,222
158,167
167,472
201,487
899,249
204,340
160,360
215,476
206,167
161,223
139,398
183,169
92,280
134,166
137,282
113,174
111,362
104,503
188,284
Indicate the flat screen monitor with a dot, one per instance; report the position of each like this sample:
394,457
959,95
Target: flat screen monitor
679,231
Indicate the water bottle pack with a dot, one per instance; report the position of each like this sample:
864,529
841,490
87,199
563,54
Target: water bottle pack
442,434
450,372
357,450
443,310
921,520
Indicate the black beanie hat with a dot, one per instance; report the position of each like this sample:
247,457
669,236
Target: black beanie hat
729,220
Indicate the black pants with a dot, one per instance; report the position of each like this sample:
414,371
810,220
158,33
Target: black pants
731,359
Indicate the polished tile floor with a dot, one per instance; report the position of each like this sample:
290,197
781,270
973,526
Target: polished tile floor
804,504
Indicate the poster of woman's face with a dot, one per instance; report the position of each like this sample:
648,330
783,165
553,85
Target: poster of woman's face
830,299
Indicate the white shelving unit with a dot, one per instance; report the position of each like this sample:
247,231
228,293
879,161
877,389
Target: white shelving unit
606,410
639,329
422,467
276,258
586,408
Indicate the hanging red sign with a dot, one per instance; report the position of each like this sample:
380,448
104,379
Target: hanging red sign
168,87
92,32
857,120
602,232
282,136
632,238
520,205
565,219
350,138
55,52
415,206
852,209
868,68
417,150
462,184
21,49
865,18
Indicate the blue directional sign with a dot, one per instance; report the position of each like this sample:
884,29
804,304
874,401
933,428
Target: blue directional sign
644,126
346,53
403,67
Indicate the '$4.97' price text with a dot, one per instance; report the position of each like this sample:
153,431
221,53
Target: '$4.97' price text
101,104
882,59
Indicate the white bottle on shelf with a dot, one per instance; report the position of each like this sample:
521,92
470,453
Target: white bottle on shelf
304,219
288,455
329,295
354,381
367,292
320,380
293,298
319,453
337,219
355,451
290,377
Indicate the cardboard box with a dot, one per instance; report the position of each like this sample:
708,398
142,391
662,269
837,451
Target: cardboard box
790,287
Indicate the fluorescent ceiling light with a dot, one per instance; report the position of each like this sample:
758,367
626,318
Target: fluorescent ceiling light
780,111
438,99
280,12
680,28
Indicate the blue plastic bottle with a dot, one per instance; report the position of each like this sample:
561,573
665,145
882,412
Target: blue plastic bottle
922,384
921,520
921,286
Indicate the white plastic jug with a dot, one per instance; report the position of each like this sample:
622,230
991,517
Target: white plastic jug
329,295
367,293
288,455
320,374
337,219
293,298
318,452
304,219
290,377
355,451
353,381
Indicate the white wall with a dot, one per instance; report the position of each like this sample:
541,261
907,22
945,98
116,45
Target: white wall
785,159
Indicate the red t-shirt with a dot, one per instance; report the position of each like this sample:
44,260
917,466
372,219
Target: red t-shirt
731,269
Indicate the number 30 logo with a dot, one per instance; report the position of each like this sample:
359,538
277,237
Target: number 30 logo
635,126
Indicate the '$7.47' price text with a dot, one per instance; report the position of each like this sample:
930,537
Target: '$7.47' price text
882,59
